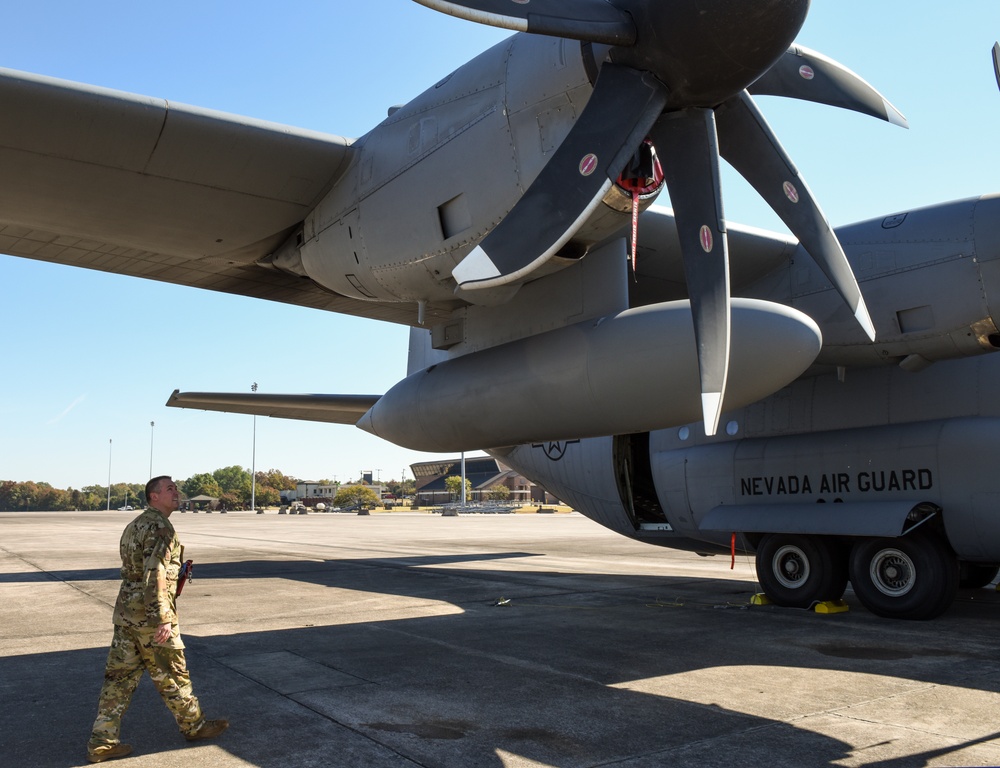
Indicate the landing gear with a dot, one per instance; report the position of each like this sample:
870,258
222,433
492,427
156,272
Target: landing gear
797,571
912,577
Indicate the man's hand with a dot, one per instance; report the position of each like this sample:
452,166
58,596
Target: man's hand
162,633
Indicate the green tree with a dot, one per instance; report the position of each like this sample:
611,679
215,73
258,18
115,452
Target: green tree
203,484
349,495
276,479
498,492
401,489
235,484
453,484
94,501
7,495
267,496
27,496
122,494
95,497
47,497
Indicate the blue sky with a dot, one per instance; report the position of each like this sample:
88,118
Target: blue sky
89,357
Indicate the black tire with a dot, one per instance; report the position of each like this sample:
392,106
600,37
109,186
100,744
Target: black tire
976,575
797,571
912,577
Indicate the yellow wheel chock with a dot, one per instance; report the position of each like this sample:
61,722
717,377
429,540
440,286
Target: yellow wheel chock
827,606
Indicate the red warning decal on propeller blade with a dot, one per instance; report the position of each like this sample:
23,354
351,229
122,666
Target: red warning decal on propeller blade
588,165
805,71
790,191
707,241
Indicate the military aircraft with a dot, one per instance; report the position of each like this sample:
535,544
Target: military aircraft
559,318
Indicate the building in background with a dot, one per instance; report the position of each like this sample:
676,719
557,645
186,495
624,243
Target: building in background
311,493
483,473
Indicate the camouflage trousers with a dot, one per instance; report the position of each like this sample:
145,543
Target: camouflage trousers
132,652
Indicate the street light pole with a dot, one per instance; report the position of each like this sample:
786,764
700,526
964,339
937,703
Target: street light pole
151,425
253,460
109,474
463,479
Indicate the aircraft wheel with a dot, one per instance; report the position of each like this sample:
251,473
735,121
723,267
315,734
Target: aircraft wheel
976,575
913,577
796,571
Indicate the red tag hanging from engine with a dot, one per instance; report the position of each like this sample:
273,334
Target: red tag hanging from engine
642,176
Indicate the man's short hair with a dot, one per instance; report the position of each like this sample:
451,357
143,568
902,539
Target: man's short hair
153,486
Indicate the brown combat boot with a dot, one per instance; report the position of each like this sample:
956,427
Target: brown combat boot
209,729
108,752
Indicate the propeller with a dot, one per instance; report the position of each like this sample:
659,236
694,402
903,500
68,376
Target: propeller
678,73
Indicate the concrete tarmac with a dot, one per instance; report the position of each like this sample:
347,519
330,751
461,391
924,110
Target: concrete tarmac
342,640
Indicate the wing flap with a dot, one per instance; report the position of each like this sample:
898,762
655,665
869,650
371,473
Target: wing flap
230,275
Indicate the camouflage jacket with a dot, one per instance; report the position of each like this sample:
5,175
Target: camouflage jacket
151,561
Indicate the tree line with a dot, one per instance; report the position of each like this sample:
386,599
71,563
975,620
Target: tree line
231,485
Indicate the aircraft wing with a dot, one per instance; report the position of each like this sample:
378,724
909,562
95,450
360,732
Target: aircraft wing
140,186
333,409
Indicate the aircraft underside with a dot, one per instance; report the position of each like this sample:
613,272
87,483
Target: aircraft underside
900,510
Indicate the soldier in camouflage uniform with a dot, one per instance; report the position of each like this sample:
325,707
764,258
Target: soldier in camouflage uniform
147,635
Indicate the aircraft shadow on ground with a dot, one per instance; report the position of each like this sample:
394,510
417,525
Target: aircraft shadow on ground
262,569
541,678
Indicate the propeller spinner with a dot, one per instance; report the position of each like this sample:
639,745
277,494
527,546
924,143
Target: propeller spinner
678,72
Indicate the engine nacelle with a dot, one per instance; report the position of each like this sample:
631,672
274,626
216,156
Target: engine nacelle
429,182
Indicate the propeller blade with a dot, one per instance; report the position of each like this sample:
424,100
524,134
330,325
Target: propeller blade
624,105
996,62
808,75
596,21
748,144
687,145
